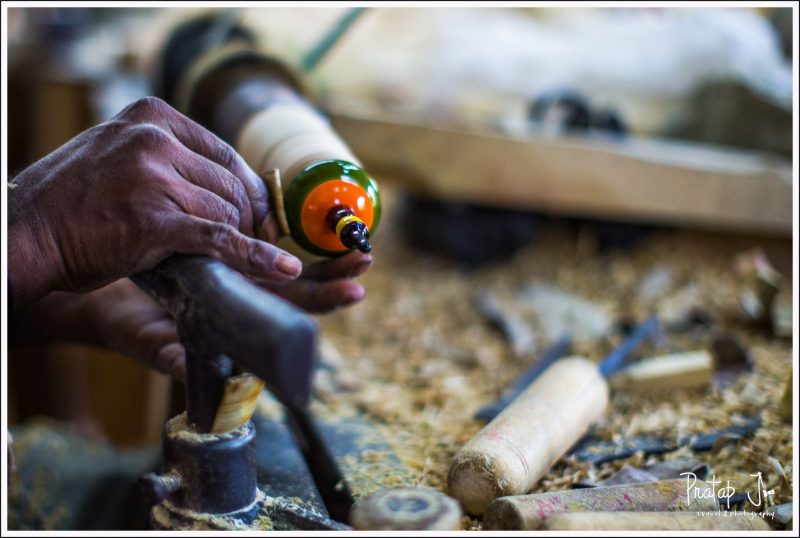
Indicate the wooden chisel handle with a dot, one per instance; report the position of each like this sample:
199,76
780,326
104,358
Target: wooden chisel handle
511,453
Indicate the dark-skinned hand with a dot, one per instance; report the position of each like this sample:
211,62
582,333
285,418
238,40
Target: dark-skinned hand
124,195
127,320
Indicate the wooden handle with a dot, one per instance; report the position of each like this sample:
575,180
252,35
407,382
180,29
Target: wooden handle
511,453
681,370
531,512
655,521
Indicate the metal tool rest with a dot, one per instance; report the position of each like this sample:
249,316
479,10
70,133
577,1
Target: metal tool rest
225,321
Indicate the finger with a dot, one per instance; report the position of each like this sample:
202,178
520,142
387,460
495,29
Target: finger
171,359
318,297
154,336
193,235
202,203
203,142
211,176
352,264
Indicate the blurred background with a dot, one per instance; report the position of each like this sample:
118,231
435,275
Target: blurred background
570,168
704,77
721,76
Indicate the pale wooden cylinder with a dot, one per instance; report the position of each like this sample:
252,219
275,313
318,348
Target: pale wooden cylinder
531,512
681,370
511,453
655,521
289,137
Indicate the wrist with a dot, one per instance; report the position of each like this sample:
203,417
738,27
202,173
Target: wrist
32,269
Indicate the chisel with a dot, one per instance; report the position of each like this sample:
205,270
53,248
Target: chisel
552,354
511,453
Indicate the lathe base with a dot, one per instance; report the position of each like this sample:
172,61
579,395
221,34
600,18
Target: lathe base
167,516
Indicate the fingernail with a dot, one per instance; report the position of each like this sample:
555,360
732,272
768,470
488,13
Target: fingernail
289,264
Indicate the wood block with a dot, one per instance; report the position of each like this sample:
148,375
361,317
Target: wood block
680,370
647,181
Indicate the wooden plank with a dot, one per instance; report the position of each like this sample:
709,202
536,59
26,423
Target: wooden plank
648,181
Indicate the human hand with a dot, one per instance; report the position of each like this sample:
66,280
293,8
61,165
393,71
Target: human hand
124,195
326,285
127,320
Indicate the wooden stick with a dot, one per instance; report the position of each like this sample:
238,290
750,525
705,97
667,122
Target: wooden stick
531,512
272,179
238,402
680,370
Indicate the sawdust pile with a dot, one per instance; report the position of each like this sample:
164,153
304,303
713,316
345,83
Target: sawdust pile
420,360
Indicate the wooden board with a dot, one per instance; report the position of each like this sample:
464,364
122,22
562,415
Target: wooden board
648,181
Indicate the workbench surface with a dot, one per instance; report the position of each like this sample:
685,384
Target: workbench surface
421,360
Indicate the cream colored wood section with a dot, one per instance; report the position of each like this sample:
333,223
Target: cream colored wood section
289,138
